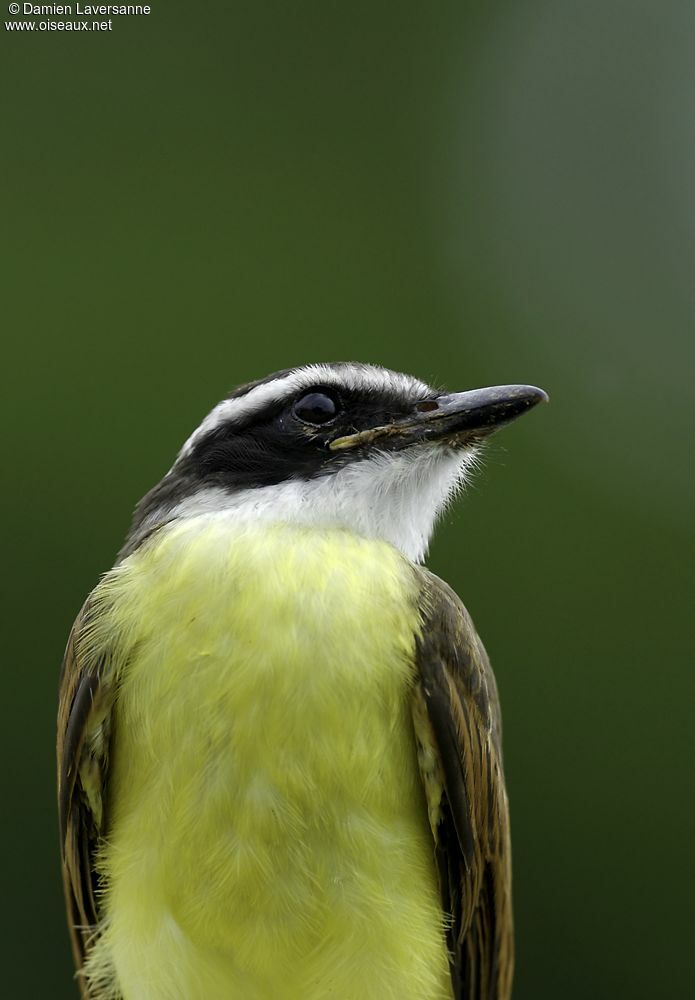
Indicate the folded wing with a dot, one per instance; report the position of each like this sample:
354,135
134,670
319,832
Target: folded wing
457,726
84,732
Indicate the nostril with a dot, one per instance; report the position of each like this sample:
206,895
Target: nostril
426,405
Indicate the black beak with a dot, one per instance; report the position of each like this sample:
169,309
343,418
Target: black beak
456,419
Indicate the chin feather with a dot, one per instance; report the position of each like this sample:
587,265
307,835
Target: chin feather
393,496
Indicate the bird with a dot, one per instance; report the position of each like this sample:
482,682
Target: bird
279,755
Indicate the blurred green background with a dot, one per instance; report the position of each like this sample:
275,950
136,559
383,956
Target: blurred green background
475,193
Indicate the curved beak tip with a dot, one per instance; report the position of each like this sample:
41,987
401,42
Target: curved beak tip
482,411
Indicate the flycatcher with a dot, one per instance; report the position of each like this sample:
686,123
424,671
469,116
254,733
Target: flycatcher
279,762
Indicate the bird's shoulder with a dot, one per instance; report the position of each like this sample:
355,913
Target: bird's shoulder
448,639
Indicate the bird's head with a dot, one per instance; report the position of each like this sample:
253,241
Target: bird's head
349,445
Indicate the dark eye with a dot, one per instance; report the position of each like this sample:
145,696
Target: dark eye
316,407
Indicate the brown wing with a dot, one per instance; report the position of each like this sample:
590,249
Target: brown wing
84,723
457,726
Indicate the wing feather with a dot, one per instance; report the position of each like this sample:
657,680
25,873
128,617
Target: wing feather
84,714
457,719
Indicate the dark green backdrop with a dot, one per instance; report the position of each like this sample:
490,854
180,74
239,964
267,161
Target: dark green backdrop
476,193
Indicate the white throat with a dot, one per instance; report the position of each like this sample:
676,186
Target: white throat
392,496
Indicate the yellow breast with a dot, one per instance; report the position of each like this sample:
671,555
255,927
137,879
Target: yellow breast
268,835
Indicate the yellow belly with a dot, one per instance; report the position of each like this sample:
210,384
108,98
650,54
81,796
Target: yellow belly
268,837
